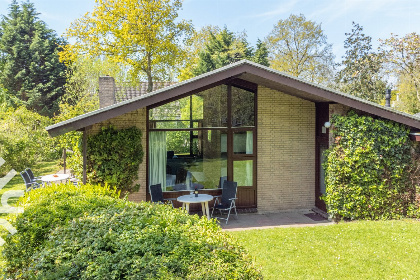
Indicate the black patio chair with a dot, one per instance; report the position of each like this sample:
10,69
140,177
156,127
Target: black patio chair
227,202
30,185
32,176
156,194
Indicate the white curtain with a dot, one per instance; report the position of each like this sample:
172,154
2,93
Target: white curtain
249,142
157,158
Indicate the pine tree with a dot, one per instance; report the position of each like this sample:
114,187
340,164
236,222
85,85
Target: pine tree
30,67
261,54
225,48
361,75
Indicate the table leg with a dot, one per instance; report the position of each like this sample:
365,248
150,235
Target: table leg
183,205
187,207
207,209
203,208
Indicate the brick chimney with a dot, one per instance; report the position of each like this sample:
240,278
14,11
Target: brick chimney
106,91
388,98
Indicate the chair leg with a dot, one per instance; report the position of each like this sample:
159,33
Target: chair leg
227,219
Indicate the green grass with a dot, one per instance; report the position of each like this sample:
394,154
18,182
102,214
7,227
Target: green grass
356,250
42,168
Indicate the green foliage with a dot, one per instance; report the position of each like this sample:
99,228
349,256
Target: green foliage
361,75
31,71
402,55
98,237
145,35
24,140
224,48
369,169
46,209
299,47
114,156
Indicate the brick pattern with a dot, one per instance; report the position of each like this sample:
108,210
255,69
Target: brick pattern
135,118
286,152
106,91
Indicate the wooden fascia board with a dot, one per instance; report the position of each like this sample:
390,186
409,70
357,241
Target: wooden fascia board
333,97
145,101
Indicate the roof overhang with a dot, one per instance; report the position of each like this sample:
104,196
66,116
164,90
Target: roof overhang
244,70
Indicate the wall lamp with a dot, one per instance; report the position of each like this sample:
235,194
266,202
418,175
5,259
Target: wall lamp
326,125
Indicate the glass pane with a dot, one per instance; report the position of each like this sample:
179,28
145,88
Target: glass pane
214,110
195,159
205,109
243,107
243,172
243,142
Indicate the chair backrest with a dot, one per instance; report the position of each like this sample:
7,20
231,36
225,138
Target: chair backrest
156,194
222,181
229,191
26,179
30,173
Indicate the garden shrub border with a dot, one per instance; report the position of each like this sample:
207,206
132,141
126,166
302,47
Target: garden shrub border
370,170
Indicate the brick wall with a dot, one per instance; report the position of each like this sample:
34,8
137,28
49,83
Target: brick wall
136,118
286,152
106,91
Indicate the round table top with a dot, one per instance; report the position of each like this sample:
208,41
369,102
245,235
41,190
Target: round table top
54,177
190,198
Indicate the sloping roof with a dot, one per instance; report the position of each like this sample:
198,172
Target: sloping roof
123,93
244,70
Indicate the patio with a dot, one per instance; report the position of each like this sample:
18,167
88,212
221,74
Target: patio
298,218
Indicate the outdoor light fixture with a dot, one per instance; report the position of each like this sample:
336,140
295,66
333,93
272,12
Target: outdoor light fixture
326,125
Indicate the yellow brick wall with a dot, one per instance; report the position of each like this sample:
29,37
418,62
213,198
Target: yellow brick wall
286,152
136,118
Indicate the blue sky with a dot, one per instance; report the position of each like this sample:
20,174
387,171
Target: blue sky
379,18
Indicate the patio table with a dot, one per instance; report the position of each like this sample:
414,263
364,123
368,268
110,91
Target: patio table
54,178
201,198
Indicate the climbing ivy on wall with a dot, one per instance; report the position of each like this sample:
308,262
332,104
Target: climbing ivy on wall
370,172
114,156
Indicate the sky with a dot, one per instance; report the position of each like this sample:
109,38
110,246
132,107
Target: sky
257,18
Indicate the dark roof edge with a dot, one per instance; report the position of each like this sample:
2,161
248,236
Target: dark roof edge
223,73
123,107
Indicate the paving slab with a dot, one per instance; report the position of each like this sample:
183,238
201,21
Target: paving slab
298,218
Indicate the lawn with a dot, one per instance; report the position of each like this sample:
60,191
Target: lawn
356,250
42,168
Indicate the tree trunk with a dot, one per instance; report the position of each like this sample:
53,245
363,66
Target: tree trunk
149,74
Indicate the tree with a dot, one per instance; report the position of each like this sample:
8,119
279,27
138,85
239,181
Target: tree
225,48
299,47
407,96
403,56
362,72
142,34
31,71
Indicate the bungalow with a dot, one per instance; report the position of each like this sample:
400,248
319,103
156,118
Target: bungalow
245,122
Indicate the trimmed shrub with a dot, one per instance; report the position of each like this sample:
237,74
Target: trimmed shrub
46,209
369,169
114,157
125,240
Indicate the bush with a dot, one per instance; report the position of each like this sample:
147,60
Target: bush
46,209
114,157
369,169
24,140
124,240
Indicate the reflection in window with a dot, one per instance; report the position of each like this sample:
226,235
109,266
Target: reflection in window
199,166
243,107
205,109
243,172
243,142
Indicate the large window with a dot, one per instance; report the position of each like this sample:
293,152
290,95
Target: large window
191,135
